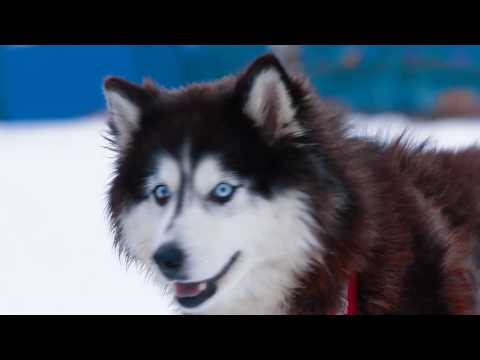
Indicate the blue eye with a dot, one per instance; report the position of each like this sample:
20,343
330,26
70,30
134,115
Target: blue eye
223,193
162,194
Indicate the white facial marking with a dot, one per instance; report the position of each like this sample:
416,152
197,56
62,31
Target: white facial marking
209,174
274,236
168,173
144,225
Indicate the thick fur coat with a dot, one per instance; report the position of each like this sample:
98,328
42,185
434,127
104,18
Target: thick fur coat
404,219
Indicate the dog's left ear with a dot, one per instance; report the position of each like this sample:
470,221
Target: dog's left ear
270,98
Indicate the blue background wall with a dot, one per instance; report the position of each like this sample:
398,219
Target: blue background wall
407,78
65,81
55,82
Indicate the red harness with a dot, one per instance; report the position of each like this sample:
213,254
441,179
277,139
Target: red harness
350,307
352,295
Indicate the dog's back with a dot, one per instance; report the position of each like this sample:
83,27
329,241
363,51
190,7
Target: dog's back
247,195
436,201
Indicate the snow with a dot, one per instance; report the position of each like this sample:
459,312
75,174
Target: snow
57,255
442,133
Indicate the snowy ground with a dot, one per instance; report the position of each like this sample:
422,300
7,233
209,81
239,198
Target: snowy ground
56,255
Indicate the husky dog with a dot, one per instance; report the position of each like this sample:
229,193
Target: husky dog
247,196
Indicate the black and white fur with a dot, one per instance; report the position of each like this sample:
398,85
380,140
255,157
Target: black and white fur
250,131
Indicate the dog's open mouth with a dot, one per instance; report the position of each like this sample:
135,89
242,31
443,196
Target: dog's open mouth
193,294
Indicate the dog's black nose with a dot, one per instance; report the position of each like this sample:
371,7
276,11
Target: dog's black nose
170,259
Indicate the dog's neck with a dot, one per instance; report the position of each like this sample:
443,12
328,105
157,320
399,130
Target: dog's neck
340,298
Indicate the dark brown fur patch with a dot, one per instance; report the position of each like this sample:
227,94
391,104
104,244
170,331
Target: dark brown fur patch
413,239
405,219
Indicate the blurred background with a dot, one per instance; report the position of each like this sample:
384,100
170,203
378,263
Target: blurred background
56,250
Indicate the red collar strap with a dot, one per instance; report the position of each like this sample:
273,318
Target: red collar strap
352,294
351,298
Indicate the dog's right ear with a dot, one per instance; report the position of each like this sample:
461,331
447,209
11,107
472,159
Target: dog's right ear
126,102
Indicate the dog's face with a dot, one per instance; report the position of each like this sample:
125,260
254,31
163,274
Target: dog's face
211,188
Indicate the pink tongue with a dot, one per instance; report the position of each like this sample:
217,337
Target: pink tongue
187,290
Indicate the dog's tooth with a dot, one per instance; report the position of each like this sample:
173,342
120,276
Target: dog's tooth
202,287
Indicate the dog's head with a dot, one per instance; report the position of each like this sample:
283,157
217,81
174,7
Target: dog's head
213,186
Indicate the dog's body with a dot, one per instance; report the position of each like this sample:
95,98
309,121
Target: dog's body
246,196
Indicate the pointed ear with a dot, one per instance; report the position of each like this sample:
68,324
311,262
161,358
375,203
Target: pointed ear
126,102
270,98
